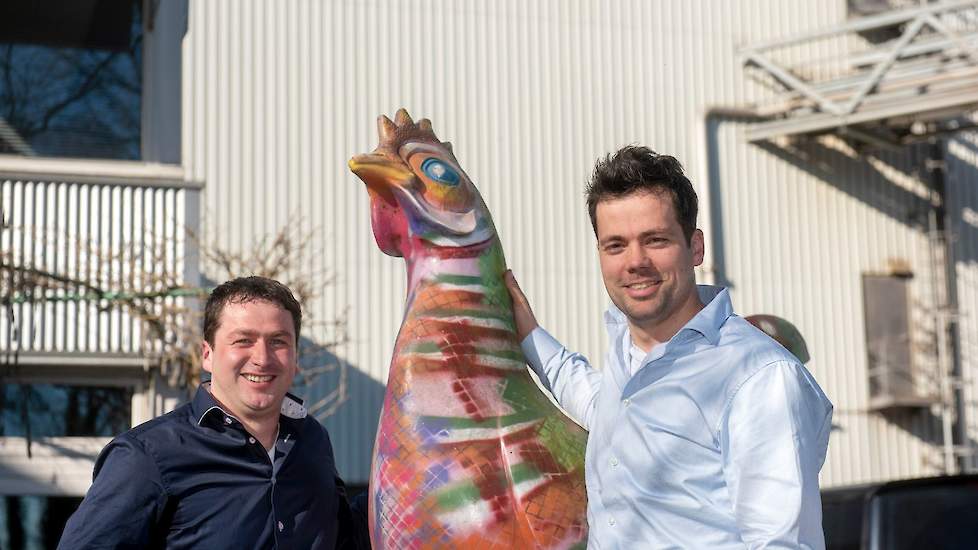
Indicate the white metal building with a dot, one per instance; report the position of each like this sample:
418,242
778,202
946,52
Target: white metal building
251,109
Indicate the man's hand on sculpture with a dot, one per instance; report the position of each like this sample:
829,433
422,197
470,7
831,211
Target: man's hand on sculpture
523,314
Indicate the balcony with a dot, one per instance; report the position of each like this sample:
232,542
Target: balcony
94,255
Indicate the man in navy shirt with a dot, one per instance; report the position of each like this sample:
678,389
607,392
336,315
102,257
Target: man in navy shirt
240,466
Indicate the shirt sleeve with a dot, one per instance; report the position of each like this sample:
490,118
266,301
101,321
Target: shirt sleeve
567,375
773,441
124,503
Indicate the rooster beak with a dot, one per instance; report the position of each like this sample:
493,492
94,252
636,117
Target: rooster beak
378,172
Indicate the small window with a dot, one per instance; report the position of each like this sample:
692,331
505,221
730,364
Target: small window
55,410
34,521
71,78
886,306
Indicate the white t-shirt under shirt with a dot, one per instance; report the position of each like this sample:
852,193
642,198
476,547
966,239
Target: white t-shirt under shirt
271,452
636,354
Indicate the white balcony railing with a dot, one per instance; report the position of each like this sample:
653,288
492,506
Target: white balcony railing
82,245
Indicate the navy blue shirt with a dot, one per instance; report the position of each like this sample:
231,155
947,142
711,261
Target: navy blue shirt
195,478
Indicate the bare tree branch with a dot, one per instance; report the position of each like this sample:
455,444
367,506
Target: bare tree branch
145,286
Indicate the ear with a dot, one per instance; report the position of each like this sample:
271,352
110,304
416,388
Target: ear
697,246
206,357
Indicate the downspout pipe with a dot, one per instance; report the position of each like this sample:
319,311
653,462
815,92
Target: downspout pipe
710,196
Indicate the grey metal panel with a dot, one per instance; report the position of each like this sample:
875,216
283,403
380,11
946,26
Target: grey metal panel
278,95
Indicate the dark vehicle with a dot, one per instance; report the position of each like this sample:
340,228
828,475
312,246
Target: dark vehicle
939,513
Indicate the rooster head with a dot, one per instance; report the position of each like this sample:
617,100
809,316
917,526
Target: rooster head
419,195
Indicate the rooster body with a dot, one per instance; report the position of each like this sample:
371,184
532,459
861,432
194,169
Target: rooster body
469,452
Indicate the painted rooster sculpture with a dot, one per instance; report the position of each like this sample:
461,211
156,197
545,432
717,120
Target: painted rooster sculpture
469,453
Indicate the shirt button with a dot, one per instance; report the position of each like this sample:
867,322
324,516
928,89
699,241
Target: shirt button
280,526
611,522
614,462
626,402
251,440
227,419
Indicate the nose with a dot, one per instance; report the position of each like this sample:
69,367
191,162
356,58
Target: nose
260,353
636,258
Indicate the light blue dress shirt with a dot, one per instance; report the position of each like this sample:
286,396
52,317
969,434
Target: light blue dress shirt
715,442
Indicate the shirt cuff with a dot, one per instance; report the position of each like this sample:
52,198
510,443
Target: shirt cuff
538,347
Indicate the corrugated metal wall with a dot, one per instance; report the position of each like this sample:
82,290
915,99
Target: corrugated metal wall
278,95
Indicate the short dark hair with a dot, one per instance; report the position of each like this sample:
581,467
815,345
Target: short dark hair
634,169
249,289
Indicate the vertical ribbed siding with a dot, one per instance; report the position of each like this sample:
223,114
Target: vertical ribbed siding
278,95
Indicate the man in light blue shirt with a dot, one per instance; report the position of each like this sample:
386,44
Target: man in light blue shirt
704,432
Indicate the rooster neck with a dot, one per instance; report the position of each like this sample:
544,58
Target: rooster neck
475,271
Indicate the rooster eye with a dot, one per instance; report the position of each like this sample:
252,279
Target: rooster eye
439,171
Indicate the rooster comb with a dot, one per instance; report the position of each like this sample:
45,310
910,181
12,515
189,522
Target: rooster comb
393,133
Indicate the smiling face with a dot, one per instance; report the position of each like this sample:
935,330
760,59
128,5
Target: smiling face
253,358
647,264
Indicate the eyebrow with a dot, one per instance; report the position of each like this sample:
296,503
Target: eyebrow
248,332
650,232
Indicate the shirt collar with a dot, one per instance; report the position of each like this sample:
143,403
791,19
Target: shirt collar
706,322
204,405
713,316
